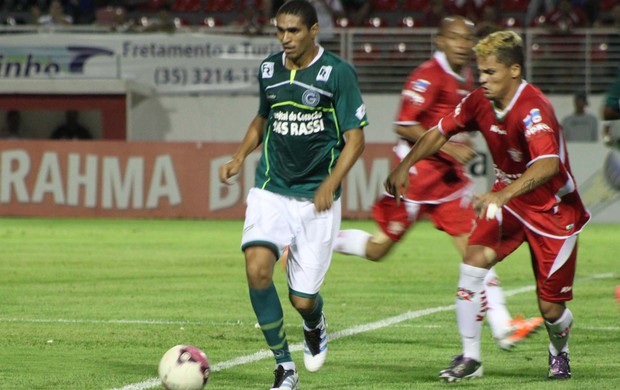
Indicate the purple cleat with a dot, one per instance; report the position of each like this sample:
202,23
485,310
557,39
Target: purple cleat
461,368
559,367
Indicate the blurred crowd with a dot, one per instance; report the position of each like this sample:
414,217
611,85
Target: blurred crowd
253,15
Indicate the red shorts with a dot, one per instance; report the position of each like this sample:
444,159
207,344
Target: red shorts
553,260
455,217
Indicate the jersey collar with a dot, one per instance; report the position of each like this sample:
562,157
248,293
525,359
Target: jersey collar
501,114
315,59
442,60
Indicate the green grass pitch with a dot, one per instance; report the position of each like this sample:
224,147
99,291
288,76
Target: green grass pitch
94,303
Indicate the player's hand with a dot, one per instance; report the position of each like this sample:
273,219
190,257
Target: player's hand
397,182
482,204
228,170
460,152
324,197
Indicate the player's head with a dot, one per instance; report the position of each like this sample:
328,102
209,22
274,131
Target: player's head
500,62
456,39
297,27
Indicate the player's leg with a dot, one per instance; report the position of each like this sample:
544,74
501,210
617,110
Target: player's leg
309,258
393,221
486,246
554,278
264,238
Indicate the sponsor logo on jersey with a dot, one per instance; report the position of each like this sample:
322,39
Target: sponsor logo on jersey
414,96
537,128
324,73
310,98
267,70
421,85
496,129
532,118
360,112
298,124
515,154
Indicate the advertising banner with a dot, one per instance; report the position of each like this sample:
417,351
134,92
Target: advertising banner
167,63
180,179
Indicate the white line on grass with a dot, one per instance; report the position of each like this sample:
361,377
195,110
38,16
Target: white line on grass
263,354
70,321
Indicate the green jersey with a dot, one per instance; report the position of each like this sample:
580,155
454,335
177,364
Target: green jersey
307,112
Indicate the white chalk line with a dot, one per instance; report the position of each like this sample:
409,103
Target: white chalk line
264,354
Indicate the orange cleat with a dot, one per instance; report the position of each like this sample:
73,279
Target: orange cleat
522,328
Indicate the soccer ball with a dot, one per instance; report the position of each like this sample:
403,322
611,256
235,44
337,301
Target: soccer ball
184,367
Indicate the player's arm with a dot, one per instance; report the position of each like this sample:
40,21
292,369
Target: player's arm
253,137
462,153
429,143
353,148
534,176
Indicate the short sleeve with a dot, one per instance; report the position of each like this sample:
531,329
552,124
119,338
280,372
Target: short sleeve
349,105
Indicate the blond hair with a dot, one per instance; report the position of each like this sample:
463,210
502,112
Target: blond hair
506,46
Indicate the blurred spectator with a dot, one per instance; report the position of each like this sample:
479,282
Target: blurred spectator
164,22
253,20
12,129
610,19
121,22
611,113
580,125
327,11
357,11
538,8
591,8
56,16
71,129
81,11
434,14
489,23
565,17
471,9
35,15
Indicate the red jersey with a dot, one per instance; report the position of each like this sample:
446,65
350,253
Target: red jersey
430,93
523,132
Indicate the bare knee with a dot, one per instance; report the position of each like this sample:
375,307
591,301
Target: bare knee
259,265
551,311
302,305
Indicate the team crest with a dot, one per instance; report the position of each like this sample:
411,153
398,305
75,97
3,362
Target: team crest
324,73
267,70
310,98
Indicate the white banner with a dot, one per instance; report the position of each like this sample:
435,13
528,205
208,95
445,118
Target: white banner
167,63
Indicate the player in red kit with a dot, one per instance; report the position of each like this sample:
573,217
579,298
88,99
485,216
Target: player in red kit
439,187
534,199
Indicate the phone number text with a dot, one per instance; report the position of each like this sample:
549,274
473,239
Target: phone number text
166,75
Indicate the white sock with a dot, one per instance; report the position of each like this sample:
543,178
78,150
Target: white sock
497,313
352,242
471,304
559,332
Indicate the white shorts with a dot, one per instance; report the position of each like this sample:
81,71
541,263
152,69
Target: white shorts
277,221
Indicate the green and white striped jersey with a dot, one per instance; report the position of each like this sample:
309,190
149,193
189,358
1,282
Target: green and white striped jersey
307,112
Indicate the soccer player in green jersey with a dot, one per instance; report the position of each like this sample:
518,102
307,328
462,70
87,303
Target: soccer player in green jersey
310,126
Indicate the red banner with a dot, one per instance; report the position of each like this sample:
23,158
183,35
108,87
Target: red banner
149,179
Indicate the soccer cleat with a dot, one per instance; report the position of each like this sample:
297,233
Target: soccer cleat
455,362
285,379
315,346
559,367
522,328
461,368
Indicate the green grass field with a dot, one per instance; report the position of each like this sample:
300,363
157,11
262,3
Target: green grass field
93,304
